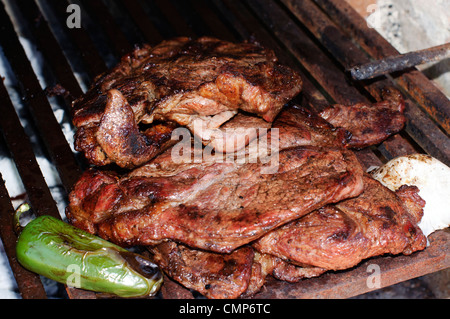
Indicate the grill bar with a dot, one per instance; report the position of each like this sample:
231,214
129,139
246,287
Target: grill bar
315,37
98,11
151,34
29,283
175,19
212,21
92,60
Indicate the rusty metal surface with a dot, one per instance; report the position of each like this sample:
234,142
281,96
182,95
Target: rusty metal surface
400,62
29,283
318,38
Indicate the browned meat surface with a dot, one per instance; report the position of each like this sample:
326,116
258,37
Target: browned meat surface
333,237
210,205
118,135
299,126
238,132
213,275
199,82
241,273
351,126
269,265
339,236
369,124
294,126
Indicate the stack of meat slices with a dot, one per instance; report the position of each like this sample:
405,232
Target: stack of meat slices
220,226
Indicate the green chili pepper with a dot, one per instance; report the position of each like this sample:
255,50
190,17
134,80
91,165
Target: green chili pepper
66,254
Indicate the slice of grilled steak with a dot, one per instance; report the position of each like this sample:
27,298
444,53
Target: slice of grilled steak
216,276
210,205
184,81
339,236
369,124
265,265
237,133
300,126
352,126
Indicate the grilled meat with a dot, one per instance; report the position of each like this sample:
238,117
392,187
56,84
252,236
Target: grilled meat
333,237
241,273
369,124
265,265
218,226
210,205
353,126
339,236
236,134
214,275
119,136
194,83
300,126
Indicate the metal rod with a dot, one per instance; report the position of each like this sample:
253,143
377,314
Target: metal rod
399,62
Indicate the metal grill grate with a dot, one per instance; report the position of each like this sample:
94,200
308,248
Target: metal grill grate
318,38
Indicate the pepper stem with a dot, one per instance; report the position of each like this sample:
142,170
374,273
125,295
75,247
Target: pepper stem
23,208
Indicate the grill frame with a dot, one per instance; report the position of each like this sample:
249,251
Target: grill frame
318,38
